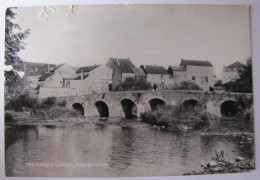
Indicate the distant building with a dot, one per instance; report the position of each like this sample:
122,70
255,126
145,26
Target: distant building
91,79
122,68
200,72
157,75
231,72
32,71
54,78
140,74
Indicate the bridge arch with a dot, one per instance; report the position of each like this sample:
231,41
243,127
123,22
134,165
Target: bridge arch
228,109
78,107
129,108
102,109
156,102
190,104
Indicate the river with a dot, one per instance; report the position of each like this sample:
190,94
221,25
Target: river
117,147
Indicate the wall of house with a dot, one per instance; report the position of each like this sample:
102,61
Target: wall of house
54,81
179,76
200,72
65,71
161,80
97,81
229,76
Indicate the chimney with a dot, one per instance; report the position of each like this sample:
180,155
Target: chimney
81,77
48,68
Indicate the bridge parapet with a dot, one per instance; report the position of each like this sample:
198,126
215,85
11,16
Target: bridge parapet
141,101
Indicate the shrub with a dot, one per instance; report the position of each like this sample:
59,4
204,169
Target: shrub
62,103
187,85
131,84
50,101
21,102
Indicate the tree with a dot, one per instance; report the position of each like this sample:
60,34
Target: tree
245,81
13,45
187,85
131,84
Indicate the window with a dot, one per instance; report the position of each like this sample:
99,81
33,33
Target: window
193,78
201,79
206,79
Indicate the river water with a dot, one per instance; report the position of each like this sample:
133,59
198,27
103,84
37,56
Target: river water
117,147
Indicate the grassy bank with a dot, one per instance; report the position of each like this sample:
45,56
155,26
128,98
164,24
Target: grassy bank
26,108
177,117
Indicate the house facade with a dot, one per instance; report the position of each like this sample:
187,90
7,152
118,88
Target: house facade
157,75
199,72
122,68
231,72
91,79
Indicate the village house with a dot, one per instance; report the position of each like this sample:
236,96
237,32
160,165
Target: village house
52,83
32,71
231,72
139,74
122,68
158,76
199,72
91,79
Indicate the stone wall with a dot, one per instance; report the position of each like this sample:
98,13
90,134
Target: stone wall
142,99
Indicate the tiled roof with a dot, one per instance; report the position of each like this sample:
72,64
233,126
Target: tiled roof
45,76
79,77
154,69
87,68
124,65
139,72
195,63
236,65
178,68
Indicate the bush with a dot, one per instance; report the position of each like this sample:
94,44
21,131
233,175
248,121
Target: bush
187,85
50,101
131,84
177,117
62,103
21,102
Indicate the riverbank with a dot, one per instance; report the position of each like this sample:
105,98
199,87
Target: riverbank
219,165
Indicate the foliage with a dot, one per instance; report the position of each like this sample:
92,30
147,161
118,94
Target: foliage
50,101
13,45
187,85
21,102
177,117
245,81
218,83
131,84
62,103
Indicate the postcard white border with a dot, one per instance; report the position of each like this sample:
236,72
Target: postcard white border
255,35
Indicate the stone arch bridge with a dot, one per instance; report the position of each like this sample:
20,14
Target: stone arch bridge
133,103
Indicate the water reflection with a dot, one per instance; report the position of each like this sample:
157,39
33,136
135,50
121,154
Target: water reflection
113,148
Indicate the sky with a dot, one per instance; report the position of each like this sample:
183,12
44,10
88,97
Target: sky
147,34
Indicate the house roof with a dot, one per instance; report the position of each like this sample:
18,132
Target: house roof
87,68
57,67
149,69
236,65
139,72
177,68
45,76
79,77
195,63
124,65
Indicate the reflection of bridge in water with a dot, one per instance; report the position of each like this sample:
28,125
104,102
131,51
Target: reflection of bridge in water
133,103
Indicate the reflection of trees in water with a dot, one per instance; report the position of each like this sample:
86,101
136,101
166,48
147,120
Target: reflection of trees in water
122,149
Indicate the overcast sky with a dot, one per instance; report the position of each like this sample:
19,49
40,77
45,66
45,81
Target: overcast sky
147,34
